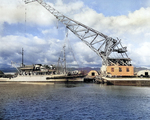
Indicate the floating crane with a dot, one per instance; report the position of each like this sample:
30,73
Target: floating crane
102,45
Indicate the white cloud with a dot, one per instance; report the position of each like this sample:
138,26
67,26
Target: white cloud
35,14
140,55
136,22
34,48
69,8
11,12
85,55
53,31
39,41
133,29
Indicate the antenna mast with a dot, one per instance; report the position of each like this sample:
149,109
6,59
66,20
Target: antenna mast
22,57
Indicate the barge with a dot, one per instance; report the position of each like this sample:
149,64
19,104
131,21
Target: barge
127,81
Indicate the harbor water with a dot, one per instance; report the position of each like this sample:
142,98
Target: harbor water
48,101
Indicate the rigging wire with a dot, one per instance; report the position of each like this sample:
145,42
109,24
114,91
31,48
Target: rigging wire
62,59
70,47
72,53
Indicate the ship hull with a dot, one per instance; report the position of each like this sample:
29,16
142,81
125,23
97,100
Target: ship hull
44,78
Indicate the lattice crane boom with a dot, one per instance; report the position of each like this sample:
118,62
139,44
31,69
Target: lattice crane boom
97,41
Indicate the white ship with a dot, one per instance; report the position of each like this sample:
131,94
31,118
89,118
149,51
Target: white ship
43,73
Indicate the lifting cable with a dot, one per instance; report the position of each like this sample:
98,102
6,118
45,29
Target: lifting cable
70,47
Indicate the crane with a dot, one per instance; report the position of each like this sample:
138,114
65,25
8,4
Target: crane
103,45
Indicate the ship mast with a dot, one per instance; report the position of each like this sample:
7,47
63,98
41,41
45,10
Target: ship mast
22,58
64,59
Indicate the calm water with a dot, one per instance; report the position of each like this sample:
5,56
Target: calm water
73,102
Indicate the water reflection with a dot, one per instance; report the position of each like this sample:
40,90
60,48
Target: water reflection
67,101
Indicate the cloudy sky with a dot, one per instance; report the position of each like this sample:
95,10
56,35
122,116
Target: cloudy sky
33,28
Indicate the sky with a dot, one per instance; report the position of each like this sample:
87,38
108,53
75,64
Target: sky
33,28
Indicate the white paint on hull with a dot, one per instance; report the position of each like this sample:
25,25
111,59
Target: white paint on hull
39,78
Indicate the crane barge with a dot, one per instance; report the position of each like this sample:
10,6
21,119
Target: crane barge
103,45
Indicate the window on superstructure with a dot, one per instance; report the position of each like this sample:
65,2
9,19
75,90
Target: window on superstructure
112,69
127,70
120,69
